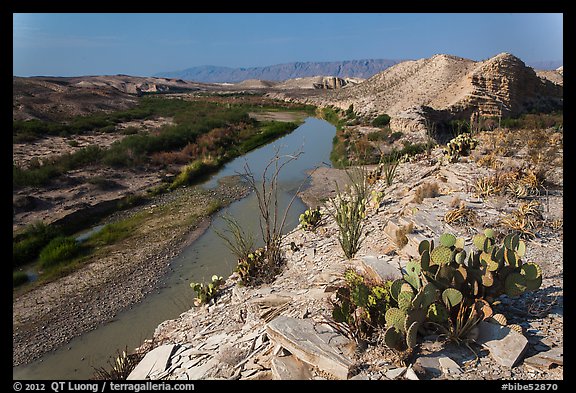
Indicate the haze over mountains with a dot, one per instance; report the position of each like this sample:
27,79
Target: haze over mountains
365,68
280,72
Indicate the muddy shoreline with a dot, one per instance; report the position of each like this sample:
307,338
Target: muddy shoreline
49,316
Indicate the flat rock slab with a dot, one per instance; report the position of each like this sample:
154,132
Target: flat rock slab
547,360
302,340
290,368
395,373
381,269
505,345
154,362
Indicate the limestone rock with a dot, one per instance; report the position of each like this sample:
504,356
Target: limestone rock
505,345
155,361
547,360
290,368
302,340
381,269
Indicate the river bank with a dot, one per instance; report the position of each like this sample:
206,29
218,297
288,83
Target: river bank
240,336
117,277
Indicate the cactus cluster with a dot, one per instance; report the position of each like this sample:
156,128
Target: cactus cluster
361,305
247,268
205,293
460,146
310,219
453,289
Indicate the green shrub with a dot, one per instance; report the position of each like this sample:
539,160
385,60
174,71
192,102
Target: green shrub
59,250
193,171
381,121
19,278
112,233
27,246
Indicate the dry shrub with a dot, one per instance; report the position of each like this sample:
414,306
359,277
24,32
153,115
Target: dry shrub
170,158
462,215
426,190
401,238
525,220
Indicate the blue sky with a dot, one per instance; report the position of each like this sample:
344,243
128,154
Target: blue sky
144,44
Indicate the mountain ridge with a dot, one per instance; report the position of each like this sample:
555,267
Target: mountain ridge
363,68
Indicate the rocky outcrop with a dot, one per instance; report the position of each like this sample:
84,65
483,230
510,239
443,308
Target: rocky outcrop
318,82
505,86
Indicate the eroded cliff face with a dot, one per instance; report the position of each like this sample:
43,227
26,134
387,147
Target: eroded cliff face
504,85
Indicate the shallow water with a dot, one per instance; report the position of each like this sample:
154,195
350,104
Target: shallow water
208,255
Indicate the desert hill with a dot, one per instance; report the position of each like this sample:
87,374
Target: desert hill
445,86
57,98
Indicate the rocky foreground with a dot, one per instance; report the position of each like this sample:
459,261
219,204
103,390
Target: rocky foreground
280,330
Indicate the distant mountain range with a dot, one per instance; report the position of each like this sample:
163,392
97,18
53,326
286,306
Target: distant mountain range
280,72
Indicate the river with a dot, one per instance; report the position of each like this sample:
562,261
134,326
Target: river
198,262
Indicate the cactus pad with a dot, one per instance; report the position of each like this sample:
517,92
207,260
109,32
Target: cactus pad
394,339
487,278
511,241
489,233
413,280
510,257
500,319
478,241
488,245
532,285
423,246
521,250
413,267
461,257
487,261
517,328
451,297
395,288
447,239
460,243
437,313
405,301
441,255
395,318
425,260
411,334
417,315
515,284
531,271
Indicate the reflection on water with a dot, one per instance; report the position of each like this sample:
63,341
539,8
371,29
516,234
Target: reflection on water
198,262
